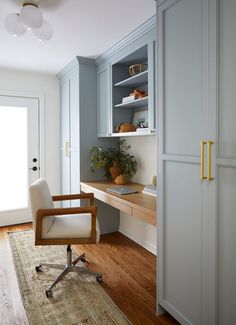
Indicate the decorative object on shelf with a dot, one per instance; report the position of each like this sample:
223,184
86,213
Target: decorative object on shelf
154,181
140,119
125,127
129,98
150,189
139,93
137,68
29,18
143,129
105,158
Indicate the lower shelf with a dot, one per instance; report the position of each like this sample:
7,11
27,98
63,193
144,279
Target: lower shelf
130,134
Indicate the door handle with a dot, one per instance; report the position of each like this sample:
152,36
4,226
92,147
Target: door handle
209,177
67,149
202,176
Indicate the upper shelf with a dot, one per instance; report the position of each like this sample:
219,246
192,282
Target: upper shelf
134,81
135,103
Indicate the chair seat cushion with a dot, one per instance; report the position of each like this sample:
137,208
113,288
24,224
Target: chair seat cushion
72,226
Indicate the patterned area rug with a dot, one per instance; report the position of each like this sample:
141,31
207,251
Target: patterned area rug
78,299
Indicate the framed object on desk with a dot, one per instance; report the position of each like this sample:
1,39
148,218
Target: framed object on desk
140,119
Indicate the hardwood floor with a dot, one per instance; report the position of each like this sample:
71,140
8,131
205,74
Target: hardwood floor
128,277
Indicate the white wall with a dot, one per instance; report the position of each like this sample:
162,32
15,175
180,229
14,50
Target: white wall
145,151
13,80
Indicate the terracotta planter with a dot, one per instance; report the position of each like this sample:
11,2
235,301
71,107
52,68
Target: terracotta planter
121,180
115,170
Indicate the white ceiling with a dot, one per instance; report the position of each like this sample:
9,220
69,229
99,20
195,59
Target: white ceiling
81,27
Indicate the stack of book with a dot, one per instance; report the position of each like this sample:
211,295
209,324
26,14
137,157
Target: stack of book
129,98
150,190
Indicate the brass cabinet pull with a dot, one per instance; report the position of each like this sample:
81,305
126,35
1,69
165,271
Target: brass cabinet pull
67,149
209,177
202,177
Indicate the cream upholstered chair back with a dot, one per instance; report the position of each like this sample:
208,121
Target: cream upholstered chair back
63,226
40,198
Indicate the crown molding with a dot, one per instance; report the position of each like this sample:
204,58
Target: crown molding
73,66
139,31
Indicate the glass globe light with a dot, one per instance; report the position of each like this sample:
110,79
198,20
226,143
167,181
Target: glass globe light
14,25
43,33
31,16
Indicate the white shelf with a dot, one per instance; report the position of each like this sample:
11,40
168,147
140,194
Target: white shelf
138,79
136,133
134,103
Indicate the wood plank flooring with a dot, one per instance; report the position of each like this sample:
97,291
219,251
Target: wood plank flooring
128,277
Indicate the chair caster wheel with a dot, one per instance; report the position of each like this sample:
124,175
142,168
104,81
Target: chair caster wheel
38,268
48,293
83,258
99,278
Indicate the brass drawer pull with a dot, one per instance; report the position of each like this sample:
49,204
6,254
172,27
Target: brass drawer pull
202,177
209,177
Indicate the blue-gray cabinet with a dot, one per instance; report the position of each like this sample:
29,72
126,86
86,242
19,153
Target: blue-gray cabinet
115,83
78,88
78,120
196,160
103,100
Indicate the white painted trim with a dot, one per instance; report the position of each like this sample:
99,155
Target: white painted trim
40,97
23,216
148,246
128,39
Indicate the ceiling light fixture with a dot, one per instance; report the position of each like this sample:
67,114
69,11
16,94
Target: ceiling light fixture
31,18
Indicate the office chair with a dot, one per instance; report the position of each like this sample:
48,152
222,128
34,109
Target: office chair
63,226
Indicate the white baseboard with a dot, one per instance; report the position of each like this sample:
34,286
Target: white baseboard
148,246
15,217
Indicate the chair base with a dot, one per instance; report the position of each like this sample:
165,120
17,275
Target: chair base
70,266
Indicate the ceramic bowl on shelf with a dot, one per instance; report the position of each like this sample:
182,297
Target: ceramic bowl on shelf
126,127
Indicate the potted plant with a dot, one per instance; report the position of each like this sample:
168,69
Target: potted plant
115,161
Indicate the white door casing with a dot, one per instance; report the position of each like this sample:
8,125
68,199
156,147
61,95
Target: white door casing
31,105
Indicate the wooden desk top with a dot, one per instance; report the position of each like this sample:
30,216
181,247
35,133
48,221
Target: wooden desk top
140,205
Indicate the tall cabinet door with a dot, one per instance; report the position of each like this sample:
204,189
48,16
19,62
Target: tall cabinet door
103,101
182,201
65,140
74,136
226,162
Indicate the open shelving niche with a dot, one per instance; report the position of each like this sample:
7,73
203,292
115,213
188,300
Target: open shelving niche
123,85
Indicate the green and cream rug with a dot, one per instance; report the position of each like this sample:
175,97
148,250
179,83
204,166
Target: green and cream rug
78,299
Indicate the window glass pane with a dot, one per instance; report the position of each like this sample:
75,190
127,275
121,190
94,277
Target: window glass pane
13,161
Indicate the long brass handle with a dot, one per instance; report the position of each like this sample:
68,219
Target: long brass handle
202,177
67,149
209,177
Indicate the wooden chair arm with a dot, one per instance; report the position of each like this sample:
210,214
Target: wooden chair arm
79,196
41,213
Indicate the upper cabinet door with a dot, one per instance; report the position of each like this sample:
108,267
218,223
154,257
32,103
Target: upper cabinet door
227,79
181,53
104,101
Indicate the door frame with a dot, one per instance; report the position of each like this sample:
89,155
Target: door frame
40,97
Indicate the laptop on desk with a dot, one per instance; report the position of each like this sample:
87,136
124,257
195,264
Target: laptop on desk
122,190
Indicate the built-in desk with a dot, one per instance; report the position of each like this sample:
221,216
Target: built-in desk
140,205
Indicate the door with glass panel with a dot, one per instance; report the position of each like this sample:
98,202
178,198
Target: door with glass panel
19,156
